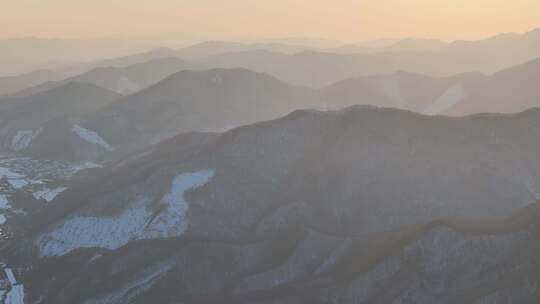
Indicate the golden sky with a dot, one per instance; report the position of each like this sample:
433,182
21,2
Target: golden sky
346,20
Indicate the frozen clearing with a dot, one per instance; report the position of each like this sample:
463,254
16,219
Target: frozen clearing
126,293
22,139
16,180
134,223
105,232
4,203
18,183
15,295
7,173
35,170
35,177
173,221
10,276
84,166
48,194
91,137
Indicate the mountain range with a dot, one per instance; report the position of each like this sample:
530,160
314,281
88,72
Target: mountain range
285,171
220,99
361,205
319,67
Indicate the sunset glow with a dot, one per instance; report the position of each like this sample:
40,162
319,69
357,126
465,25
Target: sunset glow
345,20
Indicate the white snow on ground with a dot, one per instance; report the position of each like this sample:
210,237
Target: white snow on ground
126,293
22,139
34,176
174,220
104,232
134,223
84,166
4,203
7,173
15,295
91,137
48,194
446,101
18,183
16,180
33,169
10,276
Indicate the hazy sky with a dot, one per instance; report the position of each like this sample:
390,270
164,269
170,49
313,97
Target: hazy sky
348,20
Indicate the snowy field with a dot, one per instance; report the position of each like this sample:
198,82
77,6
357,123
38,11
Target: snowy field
43,179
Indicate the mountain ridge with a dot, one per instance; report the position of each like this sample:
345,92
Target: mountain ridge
282,239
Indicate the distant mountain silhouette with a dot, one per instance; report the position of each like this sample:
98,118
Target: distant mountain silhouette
123,80
13,84
220,99
319,67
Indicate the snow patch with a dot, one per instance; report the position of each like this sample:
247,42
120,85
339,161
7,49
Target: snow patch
22,139
34,176
10,276
16,180
84,166
105,232
87,165
126,293
7,173
91,137
14,293
4,203
18,183
447,100
135,223
34,170
48,194
174,220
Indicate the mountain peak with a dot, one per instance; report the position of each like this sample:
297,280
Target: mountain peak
79,88
215,76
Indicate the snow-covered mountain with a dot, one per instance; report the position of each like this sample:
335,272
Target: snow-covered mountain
41,125
213,100
362,205
508,91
